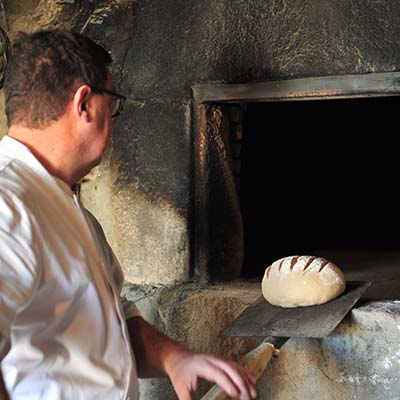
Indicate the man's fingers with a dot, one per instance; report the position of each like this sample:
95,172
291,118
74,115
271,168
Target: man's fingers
240,376
215,374
250,381
184,395
235,376
234,380
246,373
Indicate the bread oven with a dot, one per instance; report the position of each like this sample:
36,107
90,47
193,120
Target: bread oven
305,166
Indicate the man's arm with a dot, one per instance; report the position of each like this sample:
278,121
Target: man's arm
157,356
3,391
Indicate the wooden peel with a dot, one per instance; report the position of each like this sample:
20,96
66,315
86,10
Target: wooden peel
255,362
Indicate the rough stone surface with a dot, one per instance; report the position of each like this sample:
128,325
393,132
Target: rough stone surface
3,118
246,41
28,16
3,64
359,360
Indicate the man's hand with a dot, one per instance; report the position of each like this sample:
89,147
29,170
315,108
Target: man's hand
185,367
157,355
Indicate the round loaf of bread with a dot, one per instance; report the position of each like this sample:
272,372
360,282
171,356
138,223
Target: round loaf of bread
299,281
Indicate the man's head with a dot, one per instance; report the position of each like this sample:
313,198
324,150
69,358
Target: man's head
44,71
60,100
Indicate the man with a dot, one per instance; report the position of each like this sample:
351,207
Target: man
64,331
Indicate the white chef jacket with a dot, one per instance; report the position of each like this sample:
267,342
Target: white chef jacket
63,334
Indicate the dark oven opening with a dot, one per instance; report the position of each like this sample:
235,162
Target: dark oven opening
318,175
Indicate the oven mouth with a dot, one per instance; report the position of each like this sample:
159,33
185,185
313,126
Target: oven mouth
222,244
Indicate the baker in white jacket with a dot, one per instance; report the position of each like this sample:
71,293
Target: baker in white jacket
65,332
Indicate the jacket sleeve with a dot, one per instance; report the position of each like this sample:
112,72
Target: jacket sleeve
129,307
114,268
19,264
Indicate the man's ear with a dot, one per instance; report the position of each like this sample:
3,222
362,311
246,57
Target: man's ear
81,102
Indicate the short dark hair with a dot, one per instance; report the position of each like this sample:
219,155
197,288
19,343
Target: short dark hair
44,70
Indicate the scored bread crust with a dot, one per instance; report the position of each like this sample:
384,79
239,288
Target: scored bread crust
299,281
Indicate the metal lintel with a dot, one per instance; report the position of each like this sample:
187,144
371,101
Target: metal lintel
314,88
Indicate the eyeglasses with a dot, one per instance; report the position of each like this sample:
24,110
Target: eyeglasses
117,100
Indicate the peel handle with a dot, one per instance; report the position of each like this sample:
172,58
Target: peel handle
254,361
